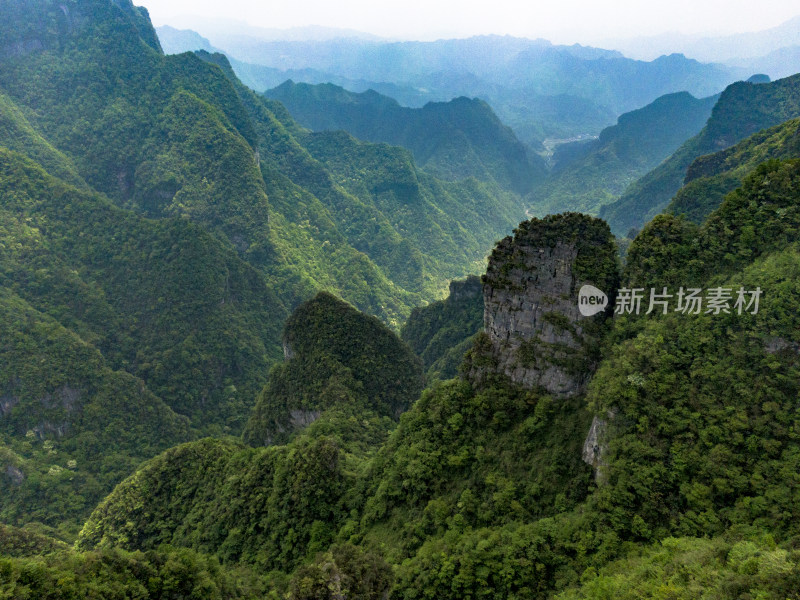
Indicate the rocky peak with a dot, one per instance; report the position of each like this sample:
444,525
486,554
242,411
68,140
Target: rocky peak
534,332
30,26
465,288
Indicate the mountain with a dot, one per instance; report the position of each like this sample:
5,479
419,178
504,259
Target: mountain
442,332
159,226
605,167
384,205
452,140
178,41
538,89
337,359
216,104
726,48
513,63
712,176
221,27
742,109
262,78
779,63
178,256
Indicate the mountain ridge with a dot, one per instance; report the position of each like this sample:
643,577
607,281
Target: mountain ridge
452,140
603,169
742,109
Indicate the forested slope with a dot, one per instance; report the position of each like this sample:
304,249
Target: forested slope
743,109
166,219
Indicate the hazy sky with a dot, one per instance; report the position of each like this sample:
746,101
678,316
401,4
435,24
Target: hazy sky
558,20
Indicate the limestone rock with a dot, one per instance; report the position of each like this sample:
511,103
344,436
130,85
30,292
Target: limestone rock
534,332
595,446
465,288
14,474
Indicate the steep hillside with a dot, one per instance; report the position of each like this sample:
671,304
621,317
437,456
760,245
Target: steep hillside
607,166
710,177
442,332
163,300
452,140
70,427
337,361
742,110
533,333
92,291
688,428
17,134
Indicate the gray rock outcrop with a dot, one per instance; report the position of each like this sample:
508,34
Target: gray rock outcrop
534,332
595,446
465,288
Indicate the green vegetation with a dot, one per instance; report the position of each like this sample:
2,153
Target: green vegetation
604,168
170,574
658,255
742,110
18,542
688,568
177,136
164,300
268,506
480,491
71,427
17,134
710,177
420,231
451,140
442,332
337,358
157,227
760,217
34,566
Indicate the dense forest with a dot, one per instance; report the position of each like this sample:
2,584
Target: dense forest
454,140
251,349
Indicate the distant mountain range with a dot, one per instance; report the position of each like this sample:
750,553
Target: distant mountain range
736,49
220,28
542,91
777,64
539,89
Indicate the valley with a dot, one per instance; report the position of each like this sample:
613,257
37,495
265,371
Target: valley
292,314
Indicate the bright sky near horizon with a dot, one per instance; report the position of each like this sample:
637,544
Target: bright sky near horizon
562,21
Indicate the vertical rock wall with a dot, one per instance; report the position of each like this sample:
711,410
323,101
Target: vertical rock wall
534,332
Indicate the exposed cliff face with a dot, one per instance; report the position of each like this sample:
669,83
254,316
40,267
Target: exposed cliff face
534,332
32,26
463,289
595,446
